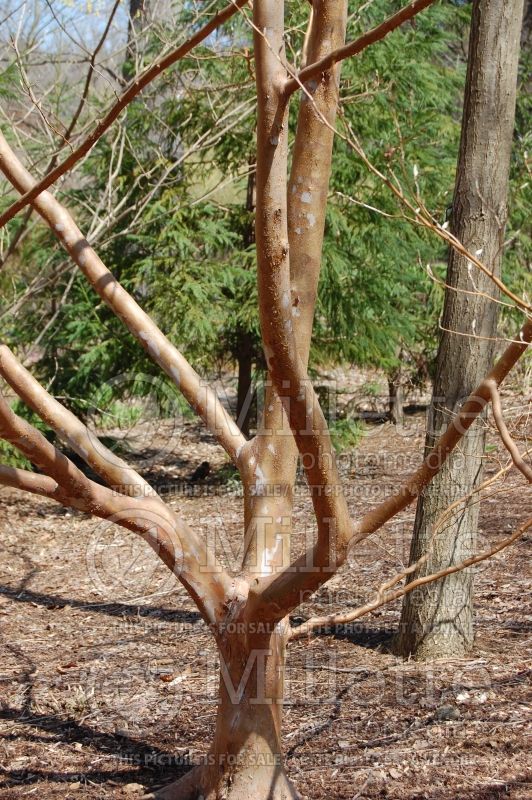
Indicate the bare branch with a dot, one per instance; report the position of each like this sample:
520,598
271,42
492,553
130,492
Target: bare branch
508,442
305,576
169,536
383,597
29,482
84,94
199,395
422,217
74,488
135,87
433,462
317,69
117,474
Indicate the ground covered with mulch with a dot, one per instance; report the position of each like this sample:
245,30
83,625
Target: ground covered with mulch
108,677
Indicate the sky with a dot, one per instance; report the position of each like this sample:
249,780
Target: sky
51,24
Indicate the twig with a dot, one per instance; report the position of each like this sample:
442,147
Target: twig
137,85
342,619
508,442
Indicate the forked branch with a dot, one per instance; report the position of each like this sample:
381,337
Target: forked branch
274,445
285,365
73,487
170,537
115,472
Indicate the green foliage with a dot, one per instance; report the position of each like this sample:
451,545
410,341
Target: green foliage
181,241
229,477
346,433
8,77
402,101
11,457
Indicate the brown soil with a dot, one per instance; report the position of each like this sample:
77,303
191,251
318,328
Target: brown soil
108,680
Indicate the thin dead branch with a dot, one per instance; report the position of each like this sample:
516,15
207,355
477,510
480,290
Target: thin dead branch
384,597
507,440
135,87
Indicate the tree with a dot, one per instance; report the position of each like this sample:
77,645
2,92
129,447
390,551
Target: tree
247,607
438,622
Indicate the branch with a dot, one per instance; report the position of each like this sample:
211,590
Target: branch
116,473
73,487
172,362
461,423
383,599
29,482
303,576
286,368
422,217
508,442
170,537
90,74
135,87
317,69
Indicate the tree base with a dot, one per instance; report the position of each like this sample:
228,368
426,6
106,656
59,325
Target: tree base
242,783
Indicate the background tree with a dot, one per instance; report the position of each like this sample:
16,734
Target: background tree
438,621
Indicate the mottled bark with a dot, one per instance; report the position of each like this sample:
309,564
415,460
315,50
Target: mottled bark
246,614
437,620
274,447
245,759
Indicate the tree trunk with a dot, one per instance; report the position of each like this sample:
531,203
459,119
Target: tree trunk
244,402
137,13
137,10
437,620
245,760
395,396
395,402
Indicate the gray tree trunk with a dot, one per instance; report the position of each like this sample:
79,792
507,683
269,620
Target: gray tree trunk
136,19
437,621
